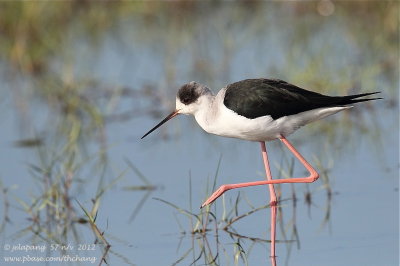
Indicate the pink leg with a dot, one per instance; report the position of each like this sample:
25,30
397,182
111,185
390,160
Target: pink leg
311,178
272,201
272,197
268,173
273,233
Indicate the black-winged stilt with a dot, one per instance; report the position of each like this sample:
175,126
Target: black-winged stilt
258,110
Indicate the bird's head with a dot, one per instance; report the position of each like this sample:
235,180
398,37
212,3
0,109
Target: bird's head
188,101
189,97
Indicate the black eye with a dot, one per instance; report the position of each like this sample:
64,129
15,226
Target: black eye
186,100
187,94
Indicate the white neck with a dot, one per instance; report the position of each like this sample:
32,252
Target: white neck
207,111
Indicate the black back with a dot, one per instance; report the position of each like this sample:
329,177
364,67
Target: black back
254,98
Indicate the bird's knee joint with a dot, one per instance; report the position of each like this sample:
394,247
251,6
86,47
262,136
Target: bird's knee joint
314,176
225,187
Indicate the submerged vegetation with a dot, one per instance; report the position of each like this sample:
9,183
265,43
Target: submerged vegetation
72,70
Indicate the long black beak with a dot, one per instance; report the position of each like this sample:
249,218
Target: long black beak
170,116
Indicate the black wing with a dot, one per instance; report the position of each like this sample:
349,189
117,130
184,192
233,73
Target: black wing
254,98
